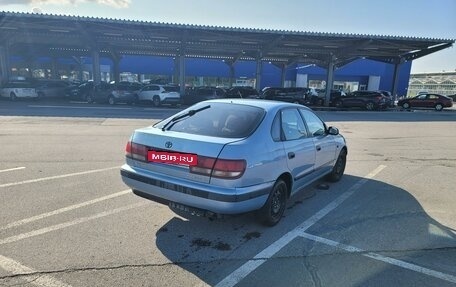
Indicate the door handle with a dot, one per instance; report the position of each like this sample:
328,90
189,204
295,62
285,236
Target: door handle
318,148
291,155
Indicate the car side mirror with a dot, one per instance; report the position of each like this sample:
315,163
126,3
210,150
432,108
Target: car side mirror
333,131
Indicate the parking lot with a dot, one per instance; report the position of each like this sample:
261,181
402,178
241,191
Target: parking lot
66,218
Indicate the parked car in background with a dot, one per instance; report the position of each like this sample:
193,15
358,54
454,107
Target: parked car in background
291,95
18,90
51,88
123,92
436,101
195,95
369,100
389,98
319,99
159,94
80,92
242,92
201,159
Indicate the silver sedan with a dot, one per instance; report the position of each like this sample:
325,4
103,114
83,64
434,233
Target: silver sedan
232,156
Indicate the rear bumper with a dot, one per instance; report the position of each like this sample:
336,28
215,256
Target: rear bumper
203,196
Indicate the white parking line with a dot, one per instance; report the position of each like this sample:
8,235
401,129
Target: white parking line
43,280
64,209
389,260
269,251
72,107
12,169
48,229
57,176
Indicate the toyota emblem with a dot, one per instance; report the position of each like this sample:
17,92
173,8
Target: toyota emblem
168,144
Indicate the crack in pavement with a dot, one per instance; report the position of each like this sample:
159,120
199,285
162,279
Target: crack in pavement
178,263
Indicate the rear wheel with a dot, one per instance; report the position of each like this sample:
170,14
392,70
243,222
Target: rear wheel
438,107
338,104
272,211
339,167
13,97
406,105
111,100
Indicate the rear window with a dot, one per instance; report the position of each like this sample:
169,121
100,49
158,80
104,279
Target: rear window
171,89
224,120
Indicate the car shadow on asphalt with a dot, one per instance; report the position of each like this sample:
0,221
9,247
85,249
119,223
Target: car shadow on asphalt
378,218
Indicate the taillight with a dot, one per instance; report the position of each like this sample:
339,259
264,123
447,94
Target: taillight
136,151
221,168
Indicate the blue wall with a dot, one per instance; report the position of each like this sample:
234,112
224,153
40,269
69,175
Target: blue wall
357,71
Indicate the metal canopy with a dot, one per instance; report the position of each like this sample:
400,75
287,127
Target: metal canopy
33,35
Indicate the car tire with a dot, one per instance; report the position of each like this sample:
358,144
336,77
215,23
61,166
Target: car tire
136,100
338,104
111,100
13,97
89,99
339,167
156,101
438,107
321,102
406,105
272,211
370,106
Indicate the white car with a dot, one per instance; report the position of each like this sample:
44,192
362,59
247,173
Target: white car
159,94
15,90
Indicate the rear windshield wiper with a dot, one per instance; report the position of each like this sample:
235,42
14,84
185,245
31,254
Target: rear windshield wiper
178,118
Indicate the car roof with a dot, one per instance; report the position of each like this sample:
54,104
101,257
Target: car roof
264,104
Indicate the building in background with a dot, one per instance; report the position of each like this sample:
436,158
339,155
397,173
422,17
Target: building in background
439,83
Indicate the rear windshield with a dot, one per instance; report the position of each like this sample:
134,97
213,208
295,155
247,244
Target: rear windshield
224,120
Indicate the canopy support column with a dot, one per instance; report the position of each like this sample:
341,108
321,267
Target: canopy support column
329,78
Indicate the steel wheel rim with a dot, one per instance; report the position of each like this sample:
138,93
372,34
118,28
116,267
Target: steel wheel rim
277,203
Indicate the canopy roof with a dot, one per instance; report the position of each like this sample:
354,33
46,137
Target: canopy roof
58,35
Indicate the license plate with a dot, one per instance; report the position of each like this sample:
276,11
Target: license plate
191,210
172,157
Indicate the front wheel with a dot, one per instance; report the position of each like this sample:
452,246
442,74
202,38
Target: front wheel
13,97
406,105
111,100
370,106
89,99
272,211
338,104
438,107
156,101
339,167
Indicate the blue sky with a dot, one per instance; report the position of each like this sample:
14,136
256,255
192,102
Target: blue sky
414,18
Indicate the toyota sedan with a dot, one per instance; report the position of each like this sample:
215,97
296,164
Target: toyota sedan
231,156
